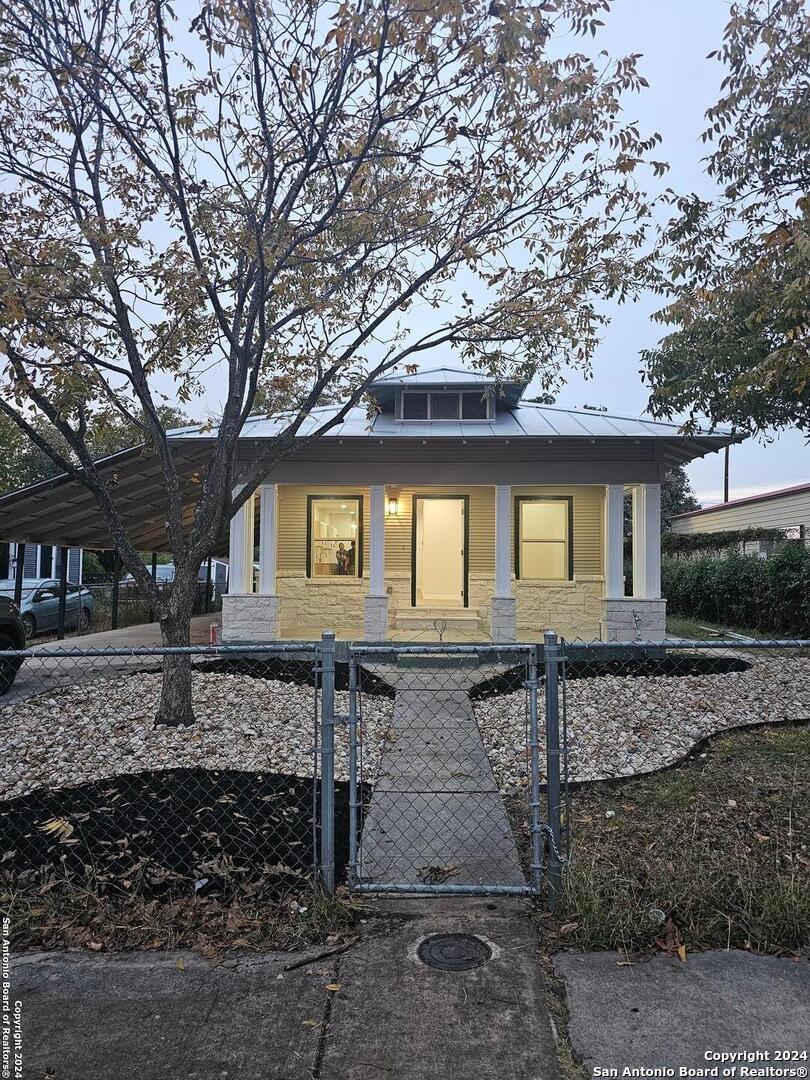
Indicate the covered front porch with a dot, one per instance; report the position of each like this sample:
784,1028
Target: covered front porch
477,562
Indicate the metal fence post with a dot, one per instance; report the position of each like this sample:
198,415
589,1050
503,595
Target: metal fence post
19,574
534,801
552,661
63,576
328,761
354,802
115,588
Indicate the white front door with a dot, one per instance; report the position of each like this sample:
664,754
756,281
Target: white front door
439,552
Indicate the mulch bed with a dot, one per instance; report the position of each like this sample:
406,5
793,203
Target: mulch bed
293,670
672,665
173,832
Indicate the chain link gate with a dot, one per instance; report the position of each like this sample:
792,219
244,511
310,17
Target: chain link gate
428,808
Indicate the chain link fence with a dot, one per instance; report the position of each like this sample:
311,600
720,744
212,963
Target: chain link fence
415,768
94,792
105,600
435,819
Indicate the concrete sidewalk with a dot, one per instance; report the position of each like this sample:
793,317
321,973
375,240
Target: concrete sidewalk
665,1013
176,1016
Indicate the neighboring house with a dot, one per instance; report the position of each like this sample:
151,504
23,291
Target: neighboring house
42,561
787,508
456,502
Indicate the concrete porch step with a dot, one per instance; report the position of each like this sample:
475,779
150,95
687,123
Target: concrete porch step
425,618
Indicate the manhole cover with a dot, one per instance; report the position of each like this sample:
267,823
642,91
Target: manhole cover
454,952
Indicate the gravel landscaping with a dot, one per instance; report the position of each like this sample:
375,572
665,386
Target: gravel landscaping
624,726
104,728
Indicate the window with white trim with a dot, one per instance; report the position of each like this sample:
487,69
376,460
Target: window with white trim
335,536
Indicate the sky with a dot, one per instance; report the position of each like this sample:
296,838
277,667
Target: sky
675,37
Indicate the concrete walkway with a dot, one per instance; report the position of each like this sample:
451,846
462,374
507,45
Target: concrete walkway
141,636
38,675
175,1016
436,814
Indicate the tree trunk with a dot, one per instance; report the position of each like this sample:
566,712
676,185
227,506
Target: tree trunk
175,708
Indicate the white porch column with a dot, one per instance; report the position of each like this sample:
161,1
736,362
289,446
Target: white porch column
647,542
641,616
376,541
614,541
240,573
504,605
249,616
376,602
267,539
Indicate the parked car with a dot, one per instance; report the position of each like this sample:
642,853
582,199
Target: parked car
12,636
164,575
39,606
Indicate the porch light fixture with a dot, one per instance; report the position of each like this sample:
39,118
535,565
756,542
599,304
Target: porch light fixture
393,506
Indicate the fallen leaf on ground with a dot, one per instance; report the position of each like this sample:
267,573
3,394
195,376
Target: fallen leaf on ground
435,875
58,827
332,987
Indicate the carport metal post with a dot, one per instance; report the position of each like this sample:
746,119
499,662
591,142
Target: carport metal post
207,599
63,572
154,578
115,584
328,761
551,651
19,573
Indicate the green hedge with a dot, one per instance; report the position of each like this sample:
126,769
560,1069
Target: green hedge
675,544
769,595
687,543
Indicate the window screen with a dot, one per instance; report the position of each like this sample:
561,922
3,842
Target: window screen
444,406
414,406
334,530
473,406
543,540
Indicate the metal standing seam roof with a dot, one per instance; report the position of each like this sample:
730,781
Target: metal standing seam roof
442,376
522,421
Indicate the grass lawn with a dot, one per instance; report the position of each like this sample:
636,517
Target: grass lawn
701,629
719,846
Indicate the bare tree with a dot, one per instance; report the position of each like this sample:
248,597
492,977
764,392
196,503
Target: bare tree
301,195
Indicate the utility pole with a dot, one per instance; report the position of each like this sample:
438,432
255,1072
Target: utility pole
725,474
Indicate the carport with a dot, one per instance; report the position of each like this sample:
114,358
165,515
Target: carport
62,513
